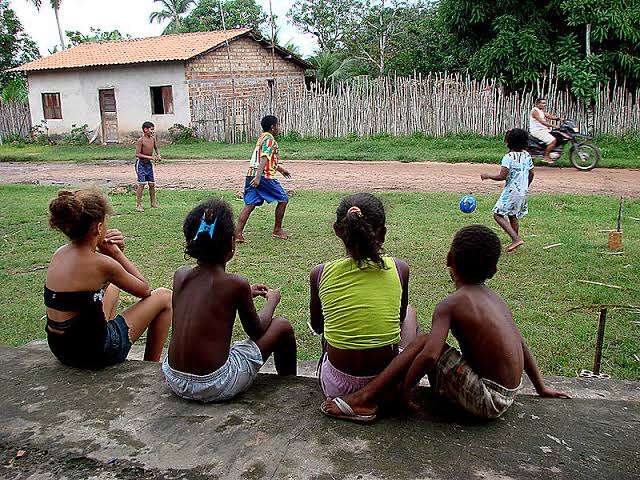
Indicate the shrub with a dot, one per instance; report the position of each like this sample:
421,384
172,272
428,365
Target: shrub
353,136
181,134
39,134
293,136
78,135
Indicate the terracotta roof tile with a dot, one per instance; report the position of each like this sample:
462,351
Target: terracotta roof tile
165,48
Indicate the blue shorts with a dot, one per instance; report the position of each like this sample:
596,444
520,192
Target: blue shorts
144,171
116,343
268,191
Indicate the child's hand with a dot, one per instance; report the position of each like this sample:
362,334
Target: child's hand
159,158
154,157
115,236
255,182
109,249
273,295
549,392
259,290
285,173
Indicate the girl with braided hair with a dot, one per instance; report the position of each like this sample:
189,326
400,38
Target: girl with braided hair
360,302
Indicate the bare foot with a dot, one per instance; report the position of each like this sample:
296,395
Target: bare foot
514,245
358,407
139,208
154,205
548,160
281,233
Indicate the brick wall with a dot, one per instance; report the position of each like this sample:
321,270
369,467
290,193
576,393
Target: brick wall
250,67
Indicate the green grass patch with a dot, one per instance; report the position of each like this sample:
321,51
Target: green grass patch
616,152
540,285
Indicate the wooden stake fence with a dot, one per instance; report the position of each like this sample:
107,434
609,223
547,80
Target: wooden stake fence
15,120
435,105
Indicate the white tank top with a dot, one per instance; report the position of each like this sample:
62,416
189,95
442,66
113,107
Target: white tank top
534,124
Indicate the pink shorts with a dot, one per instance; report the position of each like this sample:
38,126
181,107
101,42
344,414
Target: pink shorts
336,383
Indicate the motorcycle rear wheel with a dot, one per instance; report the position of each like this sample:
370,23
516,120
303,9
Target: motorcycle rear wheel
585,156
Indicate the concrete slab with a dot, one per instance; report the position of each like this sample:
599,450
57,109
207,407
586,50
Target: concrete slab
123,423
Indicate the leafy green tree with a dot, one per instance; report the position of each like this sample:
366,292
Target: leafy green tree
327,20
16,47
506,39
206,16
610,30
293,48
96,35
172,10
589,40
424,45
55,5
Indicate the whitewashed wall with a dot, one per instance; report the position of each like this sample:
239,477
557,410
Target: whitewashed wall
78,90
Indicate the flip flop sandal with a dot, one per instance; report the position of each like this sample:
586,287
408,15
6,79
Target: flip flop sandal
347,413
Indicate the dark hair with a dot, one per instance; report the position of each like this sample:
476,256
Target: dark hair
75,213
475,251
517,139
268,123
206,248
540,99
147,125
358,227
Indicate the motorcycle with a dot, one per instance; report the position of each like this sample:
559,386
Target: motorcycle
583,155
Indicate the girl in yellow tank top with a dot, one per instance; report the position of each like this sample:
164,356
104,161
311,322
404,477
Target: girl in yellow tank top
360,302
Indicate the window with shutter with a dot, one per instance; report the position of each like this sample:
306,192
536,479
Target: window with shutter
51,106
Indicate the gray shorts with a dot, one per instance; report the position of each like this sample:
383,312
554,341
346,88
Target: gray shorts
454,378
233,378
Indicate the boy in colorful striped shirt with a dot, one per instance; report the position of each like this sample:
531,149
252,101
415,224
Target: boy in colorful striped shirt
261,184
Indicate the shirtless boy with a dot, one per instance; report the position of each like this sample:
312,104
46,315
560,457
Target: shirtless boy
485,378
145,147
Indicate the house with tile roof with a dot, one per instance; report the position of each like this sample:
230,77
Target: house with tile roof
116,86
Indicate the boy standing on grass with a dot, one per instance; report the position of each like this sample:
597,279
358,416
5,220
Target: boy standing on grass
261,184
145,146
484,378
516,169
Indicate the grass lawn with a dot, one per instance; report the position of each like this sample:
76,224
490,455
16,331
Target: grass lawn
616,153
539,284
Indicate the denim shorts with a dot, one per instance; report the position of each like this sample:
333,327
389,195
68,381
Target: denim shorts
231,379
144,172
116,343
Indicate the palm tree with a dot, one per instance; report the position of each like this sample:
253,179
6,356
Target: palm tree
55,4
331,67
172,10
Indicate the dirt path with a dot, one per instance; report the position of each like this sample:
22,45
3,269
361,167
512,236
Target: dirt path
326,176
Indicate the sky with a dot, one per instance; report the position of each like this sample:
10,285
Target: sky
128,16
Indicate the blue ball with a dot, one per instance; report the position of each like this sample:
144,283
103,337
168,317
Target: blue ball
467,204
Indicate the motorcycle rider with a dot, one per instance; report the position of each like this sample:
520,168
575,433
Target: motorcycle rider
539,127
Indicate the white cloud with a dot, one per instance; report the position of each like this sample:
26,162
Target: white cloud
128,16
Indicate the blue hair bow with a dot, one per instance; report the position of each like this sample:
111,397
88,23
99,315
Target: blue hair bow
206,227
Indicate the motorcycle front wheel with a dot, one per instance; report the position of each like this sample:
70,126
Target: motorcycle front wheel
584,156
